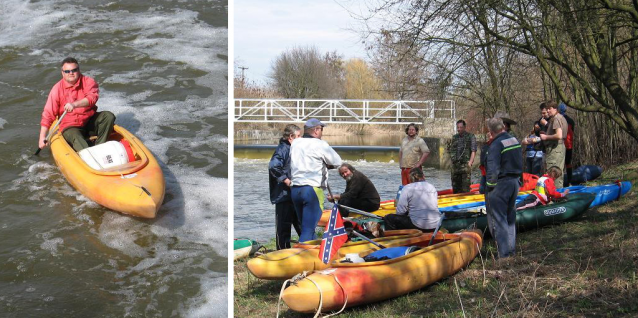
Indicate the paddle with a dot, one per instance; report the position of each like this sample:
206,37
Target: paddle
437,229
46,140
353,231
364,213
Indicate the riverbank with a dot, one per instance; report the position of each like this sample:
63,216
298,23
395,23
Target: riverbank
587,267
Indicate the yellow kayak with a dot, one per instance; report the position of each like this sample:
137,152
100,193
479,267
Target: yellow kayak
135,188
352,284
286,263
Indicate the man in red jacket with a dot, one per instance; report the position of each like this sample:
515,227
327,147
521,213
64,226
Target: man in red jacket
76,94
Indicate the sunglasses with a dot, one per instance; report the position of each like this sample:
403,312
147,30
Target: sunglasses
75,70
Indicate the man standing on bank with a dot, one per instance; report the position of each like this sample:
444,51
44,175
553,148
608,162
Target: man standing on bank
462,151
76,94
360,192
503,171
310,159
554,140
279,179
413,152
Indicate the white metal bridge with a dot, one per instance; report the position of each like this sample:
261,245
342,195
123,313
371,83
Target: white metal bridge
345,111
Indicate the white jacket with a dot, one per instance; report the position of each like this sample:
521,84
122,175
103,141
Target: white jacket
308,159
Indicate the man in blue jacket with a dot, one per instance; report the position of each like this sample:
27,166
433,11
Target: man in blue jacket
503,171
279,181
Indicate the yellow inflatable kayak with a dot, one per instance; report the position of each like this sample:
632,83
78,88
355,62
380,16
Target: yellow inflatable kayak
286,263
135,188
352,284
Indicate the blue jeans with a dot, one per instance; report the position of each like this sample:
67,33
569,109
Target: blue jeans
501,212
308,210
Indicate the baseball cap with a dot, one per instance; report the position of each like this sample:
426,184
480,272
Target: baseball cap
313,122
505,117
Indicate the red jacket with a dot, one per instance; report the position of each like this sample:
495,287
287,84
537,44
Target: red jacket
63,93
546,190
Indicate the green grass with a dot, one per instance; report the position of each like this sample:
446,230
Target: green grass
584,268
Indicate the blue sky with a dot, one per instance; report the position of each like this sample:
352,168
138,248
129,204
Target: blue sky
265,29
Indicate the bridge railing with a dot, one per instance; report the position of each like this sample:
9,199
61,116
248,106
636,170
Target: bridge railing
342,111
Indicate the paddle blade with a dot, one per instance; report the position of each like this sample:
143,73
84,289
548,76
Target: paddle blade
37,152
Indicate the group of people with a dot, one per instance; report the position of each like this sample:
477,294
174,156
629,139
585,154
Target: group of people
298,173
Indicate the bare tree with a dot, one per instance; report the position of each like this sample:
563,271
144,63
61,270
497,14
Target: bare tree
304,73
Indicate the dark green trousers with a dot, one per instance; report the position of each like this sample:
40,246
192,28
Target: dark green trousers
461,175
100,125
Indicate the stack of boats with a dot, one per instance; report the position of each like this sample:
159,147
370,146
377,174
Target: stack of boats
410,259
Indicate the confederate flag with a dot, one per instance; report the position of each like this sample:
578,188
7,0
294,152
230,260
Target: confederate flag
334,236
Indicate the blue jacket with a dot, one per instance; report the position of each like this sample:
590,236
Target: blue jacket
504,159
278,171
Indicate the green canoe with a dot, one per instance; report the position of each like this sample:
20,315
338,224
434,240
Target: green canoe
244,248
574,205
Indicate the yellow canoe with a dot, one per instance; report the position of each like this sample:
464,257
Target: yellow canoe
286,263
352,284
135,188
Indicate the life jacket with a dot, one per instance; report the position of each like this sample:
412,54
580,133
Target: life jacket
529,181
540,191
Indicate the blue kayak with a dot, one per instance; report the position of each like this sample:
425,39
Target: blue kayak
585,173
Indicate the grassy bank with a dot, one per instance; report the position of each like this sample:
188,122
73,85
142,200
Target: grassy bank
584,268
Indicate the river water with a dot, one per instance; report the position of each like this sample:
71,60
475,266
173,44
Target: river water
162,69
255,215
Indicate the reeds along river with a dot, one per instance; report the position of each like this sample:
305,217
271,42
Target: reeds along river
162,70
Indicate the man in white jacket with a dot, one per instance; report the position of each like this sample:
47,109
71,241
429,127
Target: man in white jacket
310,159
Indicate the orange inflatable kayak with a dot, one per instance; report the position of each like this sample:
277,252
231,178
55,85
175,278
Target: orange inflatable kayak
352,284
135,188
286,263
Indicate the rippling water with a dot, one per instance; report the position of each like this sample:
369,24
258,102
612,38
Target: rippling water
162,70
255,215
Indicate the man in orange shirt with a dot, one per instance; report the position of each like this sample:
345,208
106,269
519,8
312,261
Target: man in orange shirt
76,94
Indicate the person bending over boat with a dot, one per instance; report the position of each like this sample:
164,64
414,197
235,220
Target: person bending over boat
418,206
360,192
503,171
310,159
76,94
279,180
545,190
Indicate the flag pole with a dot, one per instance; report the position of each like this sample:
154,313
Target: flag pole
353,231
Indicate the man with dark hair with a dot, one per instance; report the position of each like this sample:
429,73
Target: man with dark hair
360,192
535,154
462,150
76,94
418,206
310,158
413,152
503,170
554,140
279,178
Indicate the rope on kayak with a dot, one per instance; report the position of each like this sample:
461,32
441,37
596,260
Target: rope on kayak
345,303
263,256
294,280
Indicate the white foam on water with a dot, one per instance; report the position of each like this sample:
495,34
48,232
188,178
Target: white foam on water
2,122
25,22
51,245
215,300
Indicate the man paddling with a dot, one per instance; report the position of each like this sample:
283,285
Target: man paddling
75,94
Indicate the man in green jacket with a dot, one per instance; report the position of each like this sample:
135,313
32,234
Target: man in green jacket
462,150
